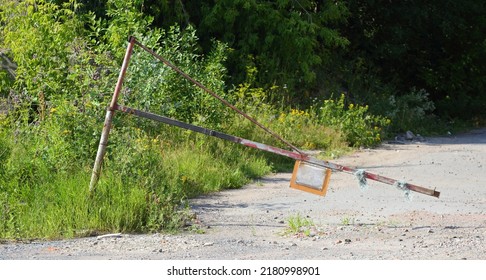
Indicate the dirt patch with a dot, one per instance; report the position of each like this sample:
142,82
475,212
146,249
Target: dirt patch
378,223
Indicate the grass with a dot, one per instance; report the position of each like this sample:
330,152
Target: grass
63,208
54,209
143,192
297,224
347,221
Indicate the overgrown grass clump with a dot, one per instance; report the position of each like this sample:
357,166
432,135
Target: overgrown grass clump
142,189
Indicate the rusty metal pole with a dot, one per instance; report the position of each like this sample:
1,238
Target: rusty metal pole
109,117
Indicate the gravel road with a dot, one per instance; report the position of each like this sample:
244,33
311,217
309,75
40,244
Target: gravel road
377,223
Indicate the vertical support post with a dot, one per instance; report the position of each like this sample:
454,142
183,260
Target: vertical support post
109,117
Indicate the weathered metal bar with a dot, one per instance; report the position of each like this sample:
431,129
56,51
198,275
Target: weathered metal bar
268,148
209,132
109,117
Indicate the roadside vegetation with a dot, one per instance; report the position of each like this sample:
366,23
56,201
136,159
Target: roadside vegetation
67,56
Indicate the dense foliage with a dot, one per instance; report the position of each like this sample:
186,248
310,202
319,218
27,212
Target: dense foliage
325,75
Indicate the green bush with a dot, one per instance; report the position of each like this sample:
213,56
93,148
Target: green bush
153,86
410,110
359,126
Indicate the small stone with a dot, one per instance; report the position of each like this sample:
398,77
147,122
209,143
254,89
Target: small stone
347,241
325,248
338,242
208,244
430,231
409,135
399,140
281,222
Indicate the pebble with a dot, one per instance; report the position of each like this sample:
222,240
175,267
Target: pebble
409,135
208,244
